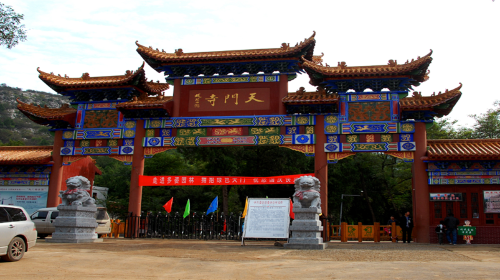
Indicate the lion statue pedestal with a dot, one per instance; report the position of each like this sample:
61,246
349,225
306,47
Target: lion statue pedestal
76,222
306,227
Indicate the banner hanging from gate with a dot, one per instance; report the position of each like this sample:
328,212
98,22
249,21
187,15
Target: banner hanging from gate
216,180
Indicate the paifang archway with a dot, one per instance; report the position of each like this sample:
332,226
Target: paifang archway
241,98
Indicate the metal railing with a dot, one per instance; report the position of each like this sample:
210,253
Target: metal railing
194,226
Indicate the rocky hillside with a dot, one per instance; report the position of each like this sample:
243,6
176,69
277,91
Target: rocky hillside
15,127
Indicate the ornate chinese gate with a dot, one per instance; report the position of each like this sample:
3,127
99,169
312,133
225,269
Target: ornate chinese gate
241,98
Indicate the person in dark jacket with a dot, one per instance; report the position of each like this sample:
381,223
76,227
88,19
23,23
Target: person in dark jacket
451,224
406,223
392,220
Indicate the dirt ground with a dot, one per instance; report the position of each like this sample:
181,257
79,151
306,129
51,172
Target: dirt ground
193,259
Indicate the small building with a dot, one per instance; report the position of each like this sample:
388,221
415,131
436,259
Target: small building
464,179
26,172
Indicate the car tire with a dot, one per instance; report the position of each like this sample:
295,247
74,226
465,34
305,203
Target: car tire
15,251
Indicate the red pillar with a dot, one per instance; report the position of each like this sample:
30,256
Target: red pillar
55,181
320,162
134,201
177,98
420,186
283,92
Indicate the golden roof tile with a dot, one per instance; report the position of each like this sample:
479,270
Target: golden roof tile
318,59
303,97
463,149
145,102
391,69
242,55
25,154
86,81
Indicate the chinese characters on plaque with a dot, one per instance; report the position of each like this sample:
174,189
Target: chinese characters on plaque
230,99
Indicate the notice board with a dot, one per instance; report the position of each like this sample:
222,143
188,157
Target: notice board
267,218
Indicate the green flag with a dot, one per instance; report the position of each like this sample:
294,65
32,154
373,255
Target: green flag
188,209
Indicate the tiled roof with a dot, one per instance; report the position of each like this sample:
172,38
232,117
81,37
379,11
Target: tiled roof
441,103
179,57
391,69
62,117
143,103
303,97
157,87
46,113
463,149
25,154
137,78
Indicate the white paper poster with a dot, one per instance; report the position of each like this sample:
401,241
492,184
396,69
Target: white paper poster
491,201
267,218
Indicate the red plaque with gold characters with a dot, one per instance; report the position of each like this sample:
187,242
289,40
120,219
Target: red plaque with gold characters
229,99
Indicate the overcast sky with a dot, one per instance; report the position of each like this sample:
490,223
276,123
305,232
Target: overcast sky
98,37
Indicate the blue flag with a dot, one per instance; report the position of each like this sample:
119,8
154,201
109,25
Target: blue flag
213,206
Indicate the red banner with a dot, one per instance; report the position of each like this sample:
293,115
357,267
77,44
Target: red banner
216,180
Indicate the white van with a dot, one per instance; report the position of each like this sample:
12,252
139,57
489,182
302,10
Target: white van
44,220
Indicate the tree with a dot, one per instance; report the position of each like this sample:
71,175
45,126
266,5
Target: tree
487,125
384,180
12,143
11,30
220,161
446,129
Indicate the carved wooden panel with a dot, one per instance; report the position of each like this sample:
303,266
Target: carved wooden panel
101,119
369,111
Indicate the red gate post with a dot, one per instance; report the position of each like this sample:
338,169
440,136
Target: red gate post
376,232
394,234
343,232
134,205
321,168
55,181
420,186
360,232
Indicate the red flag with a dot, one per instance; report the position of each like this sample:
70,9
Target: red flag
225,227
292,215
168,205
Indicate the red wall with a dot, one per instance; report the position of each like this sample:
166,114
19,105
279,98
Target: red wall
84,167
484,235
487,225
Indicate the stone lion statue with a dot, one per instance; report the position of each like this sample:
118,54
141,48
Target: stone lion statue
307,193
76,192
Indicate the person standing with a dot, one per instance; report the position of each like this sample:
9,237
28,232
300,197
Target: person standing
389,229
406,224
451,224
391,220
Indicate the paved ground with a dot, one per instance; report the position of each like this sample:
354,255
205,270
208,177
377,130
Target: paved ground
192,259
